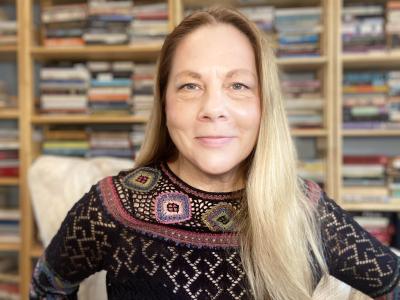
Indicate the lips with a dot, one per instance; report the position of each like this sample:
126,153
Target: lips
214,141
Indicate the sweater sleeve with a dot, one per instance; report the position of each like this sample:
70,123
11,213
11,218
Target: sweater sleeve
78,250
354,256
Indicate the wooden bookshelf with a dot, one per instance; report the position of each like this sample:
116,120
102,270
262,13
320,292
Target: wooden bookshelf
36,251
9,246
9,181
381,207
330,65
11,278
368,60
9,113
309,132
8,49
136,51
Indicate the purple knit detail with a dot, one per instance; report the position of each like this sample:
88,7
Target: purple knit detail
172,207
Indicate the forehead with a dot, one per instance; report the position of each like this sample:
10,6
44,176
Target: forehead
218,45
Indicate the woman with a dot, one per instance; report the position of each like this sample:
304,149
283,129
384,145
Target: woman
214,208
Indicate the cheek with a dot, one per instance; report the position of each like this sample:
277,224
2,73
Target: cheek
177,122
248,117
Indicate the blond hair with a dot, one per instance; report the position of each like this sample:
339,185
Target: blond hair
280,238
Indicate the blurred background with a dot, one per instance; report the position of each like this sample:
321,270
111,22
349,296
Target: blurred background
76,90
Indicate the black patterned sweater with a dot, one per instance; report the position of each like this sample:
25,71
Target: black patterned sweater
159,238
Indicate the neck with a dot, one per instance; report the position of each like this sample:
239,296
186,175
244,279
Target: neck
226,182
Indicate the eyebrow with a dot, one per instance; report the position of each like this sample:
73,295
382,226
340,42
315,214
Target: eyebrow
230,74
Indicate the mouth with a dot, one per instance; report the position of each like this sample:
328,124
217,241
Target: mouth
214,141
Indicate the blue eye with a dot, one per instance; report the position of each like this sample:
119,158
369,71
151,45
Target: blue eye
239,86
188,86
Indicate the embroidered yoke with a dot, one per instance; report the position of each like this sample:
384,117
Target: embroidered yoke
159,238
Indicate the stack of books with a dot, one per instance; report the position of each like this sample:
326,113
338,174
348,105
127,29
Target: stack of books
114,141
108,22
298,31
363,28
110,89
8,30
9,145
393,24
313,169
143,91
65,141
378,225
263,16
64,25
304,103
9,276
394,177
365,100
393,82
137,137
64,88
364,178
6,100
150,23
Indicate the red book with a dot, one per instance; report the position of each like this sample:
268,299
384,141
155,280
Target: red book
8,154
365,159
9,172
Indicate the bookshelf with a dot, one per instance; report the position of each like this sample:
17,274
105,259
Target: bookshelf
329,66
11,69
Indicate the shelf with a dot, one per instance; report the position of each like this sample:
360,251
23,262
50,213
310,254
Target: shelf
308,132
9,246
395,207
138,51
371,133
368,60
10,278
302,61
37,250
9,181
9,113
86,119
8,49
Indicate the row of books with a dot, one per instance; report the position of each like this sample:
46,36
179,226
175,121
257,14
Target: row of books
379,225
8,29
97,87
303,99
371,178
9,289
92,141
297,30
6,99
104,23
9,215
369,27
9,145
371,99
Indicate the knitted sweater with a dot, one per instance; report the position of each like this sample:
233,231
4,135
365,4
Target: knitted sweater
159,238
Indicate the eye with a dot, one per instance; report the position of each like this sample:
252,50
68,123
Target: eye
189,86
239,86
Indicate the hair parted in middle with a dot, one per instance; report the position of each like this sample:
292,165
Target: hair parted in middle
278,226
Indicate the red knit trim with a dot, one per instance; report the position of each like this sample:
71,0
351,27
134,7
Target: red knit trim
198,239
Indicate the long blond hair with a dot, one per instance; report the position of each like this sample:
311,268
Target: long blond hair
278,228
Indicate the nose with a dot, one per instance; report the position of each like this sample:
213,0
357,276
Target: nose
214,105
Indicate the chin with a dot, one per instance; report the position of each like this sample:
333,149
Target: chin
218,166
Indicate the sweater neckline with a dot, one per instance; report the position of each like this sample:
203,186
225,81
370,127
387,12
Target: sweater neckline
184,186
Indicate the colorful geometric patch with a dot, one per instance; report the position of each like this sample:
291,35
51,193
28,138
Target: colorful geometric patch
172,208
142,180
219,217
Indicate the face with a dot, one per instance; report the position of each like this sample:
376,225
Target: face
212,99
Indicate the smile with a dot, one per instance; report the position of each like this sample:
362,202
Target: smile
214,141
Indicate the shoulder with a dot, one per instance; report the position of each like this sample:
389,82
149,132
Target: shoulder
128,192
